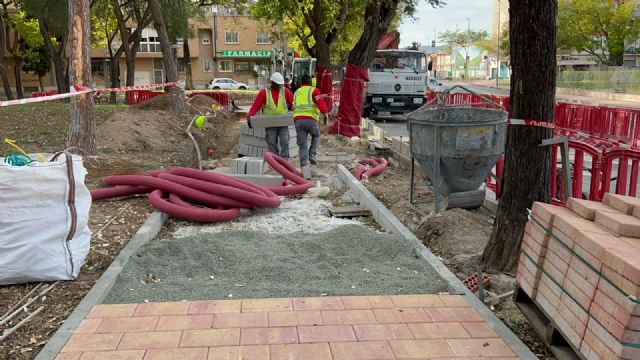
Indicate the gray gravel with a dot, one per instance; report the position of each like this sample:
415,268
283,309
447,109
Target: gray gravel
349,260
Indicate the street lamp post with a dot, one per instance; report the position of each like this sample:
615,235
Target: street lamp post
215,40
498,47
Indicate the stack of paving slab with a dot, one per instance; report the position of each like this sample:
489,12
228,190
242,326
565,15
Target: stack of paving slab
253,142
253,169
401,146
581,265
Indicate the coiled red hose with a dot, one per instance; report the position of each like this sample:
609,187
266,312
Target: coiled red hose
222,195
377,167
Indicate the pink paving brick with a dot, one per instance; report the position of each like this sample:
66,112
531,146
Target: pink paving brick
150,340
321,303
210,337
241,320
587,208
621,202
88,326
294,318
266,336
382,332
364,350
251,352
214,307
533,249
395,316
330,333
547,214
481,347
452,301
625,262
367,302
263,305
450,330
184,322
416,301
165,308
421,349
479,330
113,355
92,342
319,351
621,224
68,356
452,314
112,310
571,225
346,317
181,354
128,324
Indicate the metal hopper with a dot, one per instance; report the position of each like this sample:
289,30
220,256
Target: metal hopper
456,145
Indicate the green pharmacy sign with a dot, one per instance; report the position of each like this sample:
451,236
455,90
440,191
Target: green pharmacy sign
245,53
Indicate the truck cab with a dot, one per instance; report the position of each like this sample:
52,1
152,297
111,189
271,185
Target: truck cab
397,83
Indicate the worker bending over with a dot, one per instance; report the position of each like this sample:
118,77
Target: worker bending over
274,101
308,107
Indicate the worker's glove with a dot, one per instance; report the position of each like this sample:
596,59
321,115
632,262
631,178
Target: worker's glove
325,118
249,123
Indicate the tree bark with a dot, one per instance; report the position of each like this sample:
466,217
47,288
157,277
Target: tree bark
41,82
527,169
187,64
4,72
170,66
57,56
17,72
82,127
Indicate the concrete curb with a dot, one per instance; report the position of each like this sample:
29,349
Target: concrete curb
98,292
387,220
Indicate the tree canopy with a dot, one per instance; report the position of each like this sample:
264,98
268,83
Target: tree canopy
602,28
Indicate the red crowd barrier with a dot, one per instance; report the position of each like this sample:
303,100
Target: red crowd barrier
336,93
133,97
220,97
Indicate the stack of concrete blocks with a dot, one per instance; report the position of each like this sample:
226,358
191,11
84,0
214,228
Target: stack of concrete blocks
253,169
583,270
253,142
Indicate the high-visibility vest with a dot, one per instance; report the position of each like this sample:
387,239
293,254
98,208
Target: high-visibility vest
304,104
271,108
313,82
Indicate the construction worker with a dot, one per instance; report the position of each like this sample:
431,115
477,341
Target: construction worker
274,101
308,107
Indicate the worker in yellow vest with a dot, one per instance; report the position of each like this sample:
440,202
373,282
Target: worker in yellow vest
309,106
274,101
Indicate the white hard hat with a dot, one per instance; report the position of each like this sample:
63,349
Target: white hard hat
277,78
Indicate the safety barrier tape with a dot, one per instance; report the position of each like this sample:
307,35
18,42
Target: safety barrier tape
79,90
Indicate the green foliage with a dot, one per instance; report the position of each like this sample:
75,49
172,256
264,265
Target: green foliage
28,30
104,24
53,12
37,60
491,44
602,28
462,38
177,14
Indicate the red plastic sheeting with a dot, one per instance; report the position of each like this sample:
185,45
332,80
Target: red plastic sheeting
376,167
222,195
349,112
325,85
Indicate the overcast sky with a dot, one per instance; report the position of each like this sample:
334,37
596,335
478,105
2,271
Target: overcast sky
455,12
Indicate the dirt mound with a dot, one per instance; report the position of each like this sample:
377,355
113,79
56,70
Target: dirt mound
201,100
160,102
221,136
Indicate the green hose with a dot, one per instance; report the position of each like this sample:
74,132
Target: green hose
18,159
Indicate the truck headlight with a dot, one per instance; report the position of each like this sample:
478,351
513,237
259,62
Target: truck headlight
417,100
376,100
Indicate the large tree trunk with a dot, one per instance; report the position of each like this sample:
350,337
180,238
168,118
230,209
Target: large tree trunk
187,64
115,75
378,17
17,72
170,66
4,72
82,127
41,82
526,175
57,57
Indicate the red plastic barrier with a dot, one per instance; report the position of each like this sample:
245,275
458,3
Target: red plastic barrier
133,97
220,97
620,125
626,182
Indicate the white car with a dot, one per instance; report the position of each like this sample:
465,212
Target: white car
226,84
435,86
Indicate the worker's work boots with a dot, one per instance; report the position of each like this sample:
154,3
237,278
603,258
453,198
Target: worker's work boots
313,160
306,172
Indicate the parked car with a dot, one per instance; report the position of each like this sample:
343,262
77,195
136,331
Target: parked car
435,86
226,84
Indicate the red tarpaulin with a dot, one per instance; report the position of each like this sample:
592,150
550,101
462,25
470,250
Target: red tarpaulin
350,110
324,83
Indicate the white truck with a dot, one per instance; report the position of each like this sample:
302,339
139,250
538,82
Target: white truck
397,83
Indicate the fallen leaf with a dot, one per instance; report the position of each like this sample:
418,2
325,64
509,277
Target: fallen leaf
230,295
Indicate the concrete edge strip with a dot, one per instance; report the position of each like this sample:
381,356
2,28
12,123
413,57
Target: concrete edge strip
387,220
98,292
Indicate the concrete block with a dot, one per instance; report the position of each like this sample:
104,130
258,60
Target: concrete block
587,208
222,170
252,140
623,203
263,121
243,150
262,180
238,166
621,224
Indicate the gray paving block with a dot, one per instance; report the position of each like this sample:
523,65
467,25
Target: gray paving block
262,121
252,140
262,180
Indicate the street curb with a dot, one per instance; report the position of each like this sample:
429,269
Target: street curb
389,222
101,288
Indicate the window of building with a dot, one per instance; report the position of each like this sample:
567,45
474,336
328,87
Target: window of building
242,66
206,40
182,65
158,71
150,44
231,37
206,65
225,66
262,38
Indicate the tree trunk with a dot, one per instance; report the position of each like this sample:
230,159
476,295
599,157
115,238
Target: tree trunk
57,57
115,75
82,127
41,82
170,67
187,64
17,71
526,175
4,72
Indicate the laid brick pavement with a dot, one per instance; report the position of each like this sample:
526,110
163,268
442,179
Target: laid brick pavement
360,327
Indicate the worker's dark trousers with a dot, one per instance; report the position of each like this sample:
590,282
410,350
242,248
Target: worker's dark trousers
304,128
278,134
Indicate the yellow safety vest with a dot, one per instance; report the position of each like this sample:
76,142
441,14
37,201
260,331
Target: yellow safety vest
313,82
304,104
270,108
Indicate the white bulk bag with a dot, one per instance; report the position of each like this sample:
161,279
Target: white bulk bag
44,210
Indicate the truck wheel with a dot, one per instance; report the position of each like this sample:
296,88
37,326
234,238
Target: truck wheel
366,111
